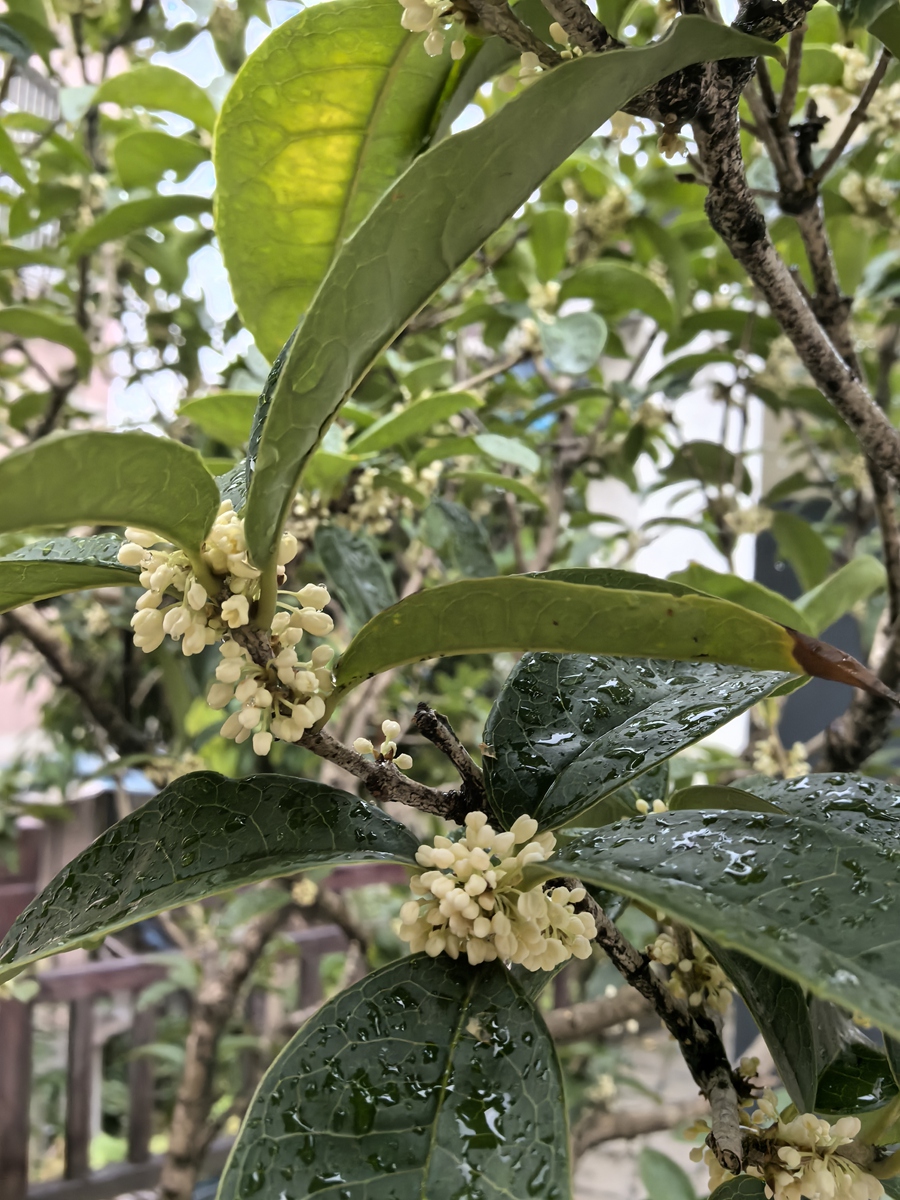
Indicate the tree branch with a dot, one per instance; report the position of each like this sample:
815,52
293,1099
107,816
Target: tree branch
436,728
385,782
595,1127
591,1017
500,19
583,28
76,676
855,119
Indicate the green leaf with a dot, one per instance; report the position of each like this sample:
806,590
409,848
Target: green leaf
845,801
663,1178
96,478
854,582
801,546
776,888
778,1006
548,236
159,88
650,786
356,572
573,343
745,592
425,226
201,835
50,568
707,462
415,419
886,28
507,450
567,730
519,612
226,416
143,157
310,136
134,215
718,796
616,288
10,163
460,541
426,1078
858,1081
494,479
744,1187
31,323
12,42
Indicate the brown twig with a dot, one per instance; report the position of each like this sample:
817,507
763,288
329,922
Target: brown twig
385,782
500,19
436,728
791,85
594,1127
591,1017
855,119
583,28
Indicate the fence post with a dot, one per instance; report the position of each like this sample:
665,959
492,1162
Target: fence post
15,1090
140,1086
78,1087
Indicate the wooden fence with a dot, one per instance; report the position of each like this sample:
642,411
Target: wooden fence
79,987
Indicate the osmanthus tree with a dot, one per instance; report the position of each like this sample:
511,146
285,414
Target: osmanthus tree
436,1076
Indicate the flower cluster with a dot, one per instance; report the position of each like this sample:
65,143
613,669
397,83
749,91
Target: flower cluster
388,749
371,507
425,16
698,979
800,1158
280,697
769,758
472,900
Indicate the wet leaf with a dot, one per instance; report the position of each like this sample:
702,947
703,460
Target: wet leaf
201,835
426,225
745,1187
858,1081
97,478
426,1078
356,572
650,786
520,612
310,136
567,730
808,899
53,566
866,806
720,797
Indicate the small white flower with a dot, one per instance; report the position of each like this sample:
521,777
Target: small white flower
262,741
363,746
403,762
236,612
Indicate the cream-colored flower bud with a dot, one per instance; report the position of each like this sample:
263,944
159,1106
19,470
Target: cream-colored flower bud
322,656
142,537
231,727
229,670
391,729
403,762
246,690
409,912
176,620
248,718
316,706
130,554
219,695
314,622
148,622
196,595
457,50
324,680
388,749
280,623
443,859
523,828
262,743
236,611
558,34
287,549
232,649
313,596
161,578
434,43
149,600
364,746
476,820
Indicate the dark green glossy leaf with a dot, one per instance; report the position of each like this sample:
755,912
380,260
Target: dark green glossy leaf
745,592
296,177
720,797
816,903
201,835
859,1080
57,565
886,28
426,1078
707,462
778,1006
225,416
356,572
663,1178
892,1050
650,786
426,225
520,612
160,88
97,478
745,1187
233,485
31,323
567,730
457,537
136,215
870,807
